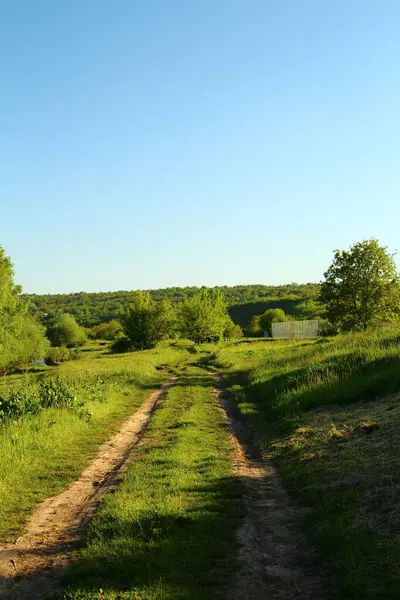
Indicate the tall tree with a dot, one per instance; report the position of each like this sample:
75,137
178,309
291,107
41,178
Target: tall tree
22,339
361,287
147,322
272,315
63,330
204,316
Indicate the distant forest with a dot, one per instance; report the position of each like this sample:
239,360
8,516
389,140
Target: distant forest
245,301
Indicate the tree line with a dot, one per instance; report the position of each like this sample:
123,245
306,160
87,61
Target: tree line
91,309
361,289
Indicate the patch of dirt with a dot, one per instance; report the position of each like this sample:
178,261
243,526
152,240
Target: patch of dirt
30,568
276,561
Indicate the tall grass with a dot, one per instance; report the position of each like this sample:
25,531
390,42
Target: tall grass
41,453
328,412
286,379
168,531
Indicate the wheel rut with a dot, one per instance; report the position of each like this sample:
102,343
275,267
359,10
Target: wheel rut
30,568
275,559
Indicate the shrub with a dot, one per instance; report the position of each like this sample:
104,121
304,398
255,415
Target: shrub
147,322
121,345
51,393
232,330
273,315
55,393
60,354
106,331
254,327
63,330
19,403
204,317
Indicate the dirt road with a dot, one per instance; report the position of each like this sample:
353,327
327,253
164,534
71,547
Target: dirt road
276,561
30,568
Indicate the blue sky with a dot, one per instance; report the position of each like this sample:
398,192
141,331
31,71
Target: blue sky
153,143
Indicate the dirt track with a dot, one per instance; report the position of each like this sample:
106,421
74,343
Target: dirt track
29,569
276,562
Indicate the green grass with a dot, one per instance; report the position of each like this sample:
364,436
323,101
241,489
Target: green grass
41,454
328,412
168,531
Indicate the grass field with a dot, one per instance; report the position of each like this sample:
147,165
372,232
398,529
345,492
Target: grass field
328,413
41,454
168,532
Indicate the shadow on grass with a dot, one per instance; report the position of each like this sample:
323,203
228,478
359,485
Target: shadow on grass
351,487
192,555
282,398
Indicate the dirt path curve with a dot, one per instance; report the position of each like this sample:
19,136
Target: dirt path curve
29,569
276,562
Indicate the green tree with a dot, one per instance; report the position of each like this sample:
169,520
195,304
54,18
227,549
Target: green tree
147,322
272,315
204,316
361,287
254,327
22,338
63,330
309,309
106,331
232,330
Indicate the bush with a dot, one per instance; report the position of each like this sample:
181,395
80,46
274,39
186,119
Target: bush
204,317
273,315
60,354
147,322
232,330
254,327
121,345
52,393
19,403
63,330
55,393
106,331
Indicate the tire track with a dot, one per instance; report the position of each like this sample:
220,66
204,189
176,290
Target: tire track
30,568
276,561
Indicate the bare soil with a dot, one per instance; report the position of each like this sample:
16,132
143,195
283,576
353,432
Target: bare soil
30,568
276,561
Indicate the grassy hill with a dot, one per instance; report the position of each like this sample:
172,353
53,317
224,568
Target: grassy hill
328,413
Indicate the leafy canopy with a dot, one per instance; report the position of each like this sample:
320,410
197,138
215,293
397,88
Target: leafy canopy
254,327
204,317
63,330
106,331
22,338
272,315
361,287
147,322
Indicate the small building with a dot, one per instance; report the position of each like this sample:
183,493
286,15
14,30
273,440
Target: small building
295,329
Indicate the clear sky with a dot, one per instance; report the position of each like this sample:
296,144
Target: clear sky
153,143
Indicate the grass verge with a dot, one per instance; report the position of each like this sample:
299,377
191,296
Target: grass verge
41,454
328,413
168,531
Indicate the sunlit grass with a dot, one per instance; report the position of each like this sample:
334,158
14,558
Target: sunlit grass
328,413
168,531
41,454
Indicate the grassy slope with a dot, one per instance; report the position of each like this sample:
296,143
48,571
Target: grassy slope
329,414
168,531
40,455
